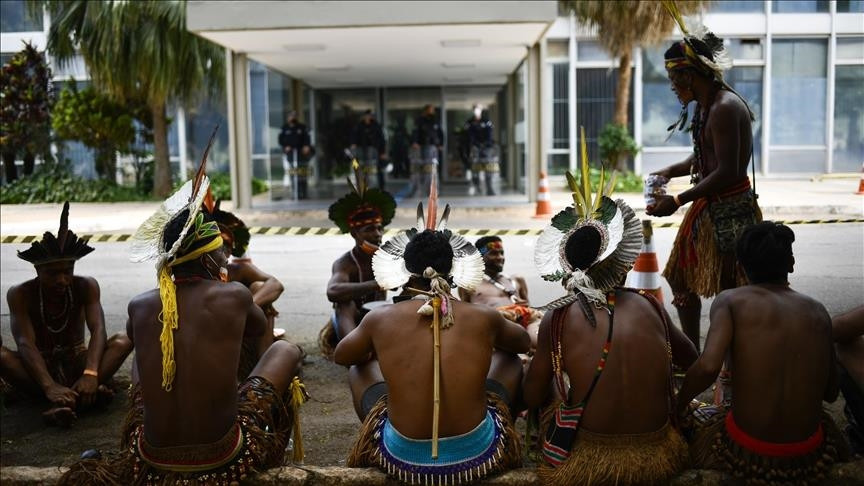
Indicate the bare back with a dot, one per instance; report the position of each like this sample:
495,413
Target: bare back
632,394
727,126
202,404
781,361
403,343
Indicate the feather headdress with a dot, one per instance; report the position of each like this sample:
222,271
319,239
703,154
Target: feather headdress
700,50
620,237
234,230
363,205
66,246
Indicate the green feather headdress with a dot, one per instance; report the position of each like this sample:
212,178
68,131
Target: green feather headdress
592,210
363,205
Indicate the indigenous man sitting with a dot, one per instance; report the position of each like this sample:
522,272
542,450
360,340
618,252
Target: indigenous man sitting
190,422
849,342
48,315
779,344
443,414
364,213
265,288
612,423
507,294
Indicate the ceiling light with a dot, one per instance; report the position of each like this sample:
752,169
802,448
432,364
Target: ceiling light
332,68
460,43
303,47
458,65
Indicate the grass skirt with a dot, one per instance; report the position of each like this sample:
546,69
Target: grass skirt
369,451
265,422
713,448
620,459
696,263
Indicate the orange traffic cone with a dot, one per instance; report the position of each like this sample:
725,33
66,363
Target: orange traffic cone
544,201
646,272
860,183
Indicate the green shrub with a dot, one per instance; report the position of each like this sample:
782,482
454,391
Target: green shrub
56,183
624,181
616,145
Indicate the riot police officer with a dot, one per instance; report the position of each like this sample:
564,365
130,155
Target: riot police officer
369,146
426,142
295,142
480,152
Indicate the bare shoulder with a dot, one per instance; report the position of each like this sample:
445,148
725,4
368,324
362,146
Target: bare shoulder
342,262
143,301
85,283
729,105
17,292
235,292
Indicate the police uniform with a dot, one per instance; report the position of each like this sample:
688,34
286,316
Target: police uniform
296,136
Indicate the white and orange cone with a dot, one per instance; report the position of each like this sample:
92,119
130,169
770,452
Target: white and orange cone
646,272
544,200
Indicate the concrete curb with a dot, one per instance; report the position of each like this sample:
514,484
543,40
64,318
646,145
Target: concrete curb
844,474
318,231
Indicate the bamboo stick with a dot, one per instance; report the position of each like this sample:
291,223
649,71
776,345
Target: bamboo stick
436,384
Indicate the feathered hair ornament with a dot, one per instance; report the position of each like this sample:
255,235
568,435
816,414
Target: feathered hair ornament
196,238
619,233
64,247
234,230
700,50
363,205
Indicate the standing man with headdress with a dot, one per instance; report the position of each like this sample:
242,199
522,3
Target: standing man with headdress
435,402
265,288
509,295
608,417
191,423
48,315
702,262
363,213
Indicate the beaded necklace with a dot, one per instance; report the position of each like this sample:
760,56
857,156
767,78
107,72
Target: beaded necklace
68,304
510,292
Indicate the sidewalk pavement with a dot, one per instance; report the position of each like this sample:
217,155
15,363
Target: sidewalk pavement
780,199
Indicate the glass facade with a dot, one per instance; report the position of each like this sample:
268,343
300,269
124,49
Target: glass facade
848,143
799,6
596,89
850,6
798,91
20,16
736,6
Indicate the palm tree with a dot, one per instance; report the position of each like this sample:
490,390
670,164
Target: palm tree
623,25
139,50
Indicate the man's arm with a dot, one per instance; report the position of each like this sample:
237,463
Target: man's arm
340,288
521,289
535,385
509,336
256,321
87,384
356,347
266,293
705,370
678,169
25,339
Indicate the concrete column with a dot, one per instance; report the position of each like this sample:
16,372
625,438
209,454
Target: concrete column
239,149
511,131
536,128
181,143
297,99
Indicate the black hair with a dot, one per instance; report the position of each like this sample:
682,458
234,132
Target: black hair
582,247
175,226
765,251
485,240
429,249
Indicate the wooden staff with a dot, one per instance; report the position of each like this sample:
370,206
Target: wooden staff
436,383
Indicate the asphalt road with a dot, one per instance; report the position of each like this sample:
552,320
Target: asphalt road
829,267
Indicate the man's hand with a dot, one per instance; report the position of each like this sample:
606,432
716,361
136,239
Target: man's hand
415,145
61,396
305,150
287,148
662,172
86,387
664,206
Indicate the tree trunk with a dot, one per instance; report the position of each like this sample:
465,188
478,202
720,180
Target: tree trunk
162,172
622,97
9,166
106,164
29,163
